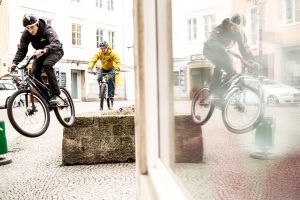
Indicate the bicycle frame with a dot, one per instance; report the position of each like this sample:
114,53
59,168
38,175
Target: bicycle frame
33,84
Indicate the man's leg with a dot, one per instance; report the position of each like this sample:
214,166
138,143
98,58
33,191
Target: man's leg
221,59
37,67
111,83
49,61
111,87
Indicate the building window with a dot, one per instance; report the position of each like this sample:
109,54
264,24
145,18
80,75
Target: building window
99,3
111,38
254,26
99,37
76,34
179,79
192,29
48,21
209,24
110,5
291,11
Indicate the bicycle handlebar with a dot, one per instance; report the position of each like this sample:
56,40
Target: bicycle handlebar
94,73
27,63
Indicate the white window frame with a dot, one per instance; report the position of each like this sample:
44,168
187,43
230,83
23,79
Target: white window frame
110,5
77,34
192,29
254,31
111,38
47,20
154,101
99,36
99,3
209,24
293,14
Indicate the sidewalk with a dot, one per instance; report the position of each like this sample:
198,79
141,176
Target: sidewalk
36,171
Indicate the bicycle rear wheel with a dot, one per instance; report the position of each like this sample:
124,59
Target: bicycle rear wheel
28,113
202,107
102,95
65,110
242,110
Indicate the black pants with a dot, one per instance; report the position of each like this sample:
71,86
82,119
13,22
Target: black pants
221,59
47,62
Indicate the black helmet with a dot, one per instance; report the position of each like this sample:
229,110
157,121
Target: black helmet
238,19
29,20
103,44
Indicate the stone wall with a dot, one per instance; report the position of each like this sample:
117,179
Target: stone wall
99,139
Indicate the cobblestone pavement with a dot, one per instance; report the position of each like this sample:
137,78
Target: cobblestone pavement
36,171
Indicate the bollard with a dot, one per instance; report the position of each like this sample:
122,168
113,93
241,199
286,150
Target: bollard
264,139
3,145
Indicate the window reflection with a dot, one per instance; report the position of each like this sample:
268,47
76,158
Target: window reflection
211,161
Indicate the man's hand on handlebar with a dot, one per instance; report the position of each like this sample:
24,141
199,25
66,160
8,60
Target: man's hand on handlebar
38,53
11,67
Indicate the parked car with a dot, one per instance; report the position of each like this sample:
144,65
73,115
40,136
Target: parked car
276,93
6,90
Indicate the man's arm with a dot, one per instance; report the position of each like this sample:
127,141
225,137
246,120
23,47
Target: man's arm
22,50
117,61
52,37
94,60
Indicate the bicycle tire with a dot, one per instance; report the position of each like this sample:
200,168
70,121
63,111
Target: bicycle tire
65,105
206,108
103,88
253,105
23,113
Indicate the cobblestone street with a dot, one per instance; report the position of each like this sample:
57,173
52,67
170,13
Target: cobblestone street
36,171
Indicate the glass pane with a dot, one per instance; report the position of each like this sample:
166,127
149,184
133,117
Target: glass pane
236,132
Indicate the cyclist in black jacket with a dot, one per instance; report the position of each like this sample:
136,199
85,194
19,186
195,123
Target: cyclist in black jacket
49,51
222,38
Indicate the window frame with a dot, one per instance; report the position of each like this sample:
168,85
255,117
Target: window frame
293,10
99,37
192,29
76,34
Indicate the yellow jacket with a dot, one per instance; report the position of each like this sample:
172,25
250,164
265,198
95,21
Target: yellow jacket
109,60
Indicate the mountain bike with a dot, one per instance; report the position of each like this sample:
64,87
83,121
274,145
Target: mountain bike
242,106
103,90
29,108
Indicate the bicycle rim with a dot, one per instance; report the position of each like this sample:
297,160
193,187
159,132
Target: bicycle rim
202,107
242,110
28,114
65,111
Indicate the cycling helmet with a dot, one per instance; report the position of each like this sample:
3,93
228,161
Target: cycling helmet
103,44
29,20
238,19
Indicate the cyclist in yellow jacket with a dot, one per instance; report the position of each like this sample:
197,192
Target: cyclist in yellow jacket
110,63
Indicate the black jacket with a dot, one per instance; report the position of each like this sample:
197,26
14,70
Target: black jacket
226,33
46,38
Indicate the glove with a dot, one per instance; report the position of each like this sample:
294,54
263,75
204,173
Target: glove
11,67
253,67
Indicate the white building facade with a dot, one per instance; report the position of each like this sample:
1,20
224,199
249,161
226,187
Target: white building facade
81,26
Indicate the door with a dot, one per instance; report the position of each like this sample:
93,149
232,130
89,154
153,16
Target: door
75,88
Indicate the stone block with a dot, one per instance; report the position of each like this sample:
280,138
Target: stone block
189,141
99,139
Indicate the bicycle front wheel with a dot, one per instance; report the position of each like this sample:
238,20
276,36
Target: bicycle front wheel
242,110
202,106
65,110
28,113
102,95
